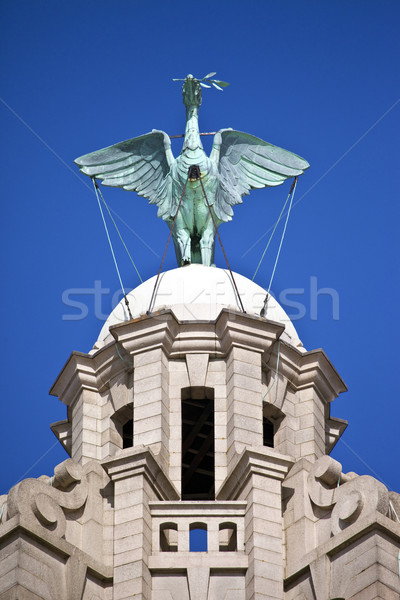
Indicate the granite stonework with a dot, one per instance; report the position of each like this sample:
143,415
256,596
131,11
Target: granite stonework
285,523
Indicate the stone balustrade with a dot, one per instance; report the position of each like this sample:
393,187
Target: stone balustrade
172,523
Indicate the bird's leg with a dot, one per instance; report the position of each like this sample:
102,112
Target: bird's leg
181,237
183,242
207,244
177,251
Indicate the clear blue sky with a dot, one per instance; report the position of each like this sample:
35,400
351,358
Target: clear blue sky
318,78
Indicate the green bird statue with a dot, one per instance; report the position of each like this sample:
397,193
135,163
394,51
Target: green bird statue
238,163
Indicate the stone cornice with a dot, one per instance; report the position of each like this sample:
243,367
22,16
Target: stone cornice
200,508
334,428
316,369
141,461
63,432
148,332
310,369
246,331
177,338
86,371
260,461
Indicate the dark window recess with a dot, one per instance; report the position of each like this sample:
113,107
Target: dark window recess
268,433
227,537
198,471
169,537
127,434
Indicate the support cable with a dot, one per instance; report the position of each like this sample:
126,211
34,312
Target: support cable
272,235
292,189
394,510
166,247
219,238
129,362
119,234
96,187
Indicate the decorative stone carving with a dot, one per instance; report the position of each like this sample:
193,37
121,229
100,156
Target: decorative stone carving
66,513
348,495
47,501
37,499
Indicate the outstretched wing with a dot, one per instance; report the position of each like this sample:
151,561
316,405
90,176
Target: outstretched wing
245,162
141,164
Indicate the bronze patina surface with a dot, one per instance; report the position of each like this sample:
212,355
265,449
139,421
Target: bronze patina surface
238,163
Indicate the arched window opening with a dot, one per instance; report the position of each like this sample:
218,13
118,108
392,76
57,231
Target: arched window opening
198,463
127,434
272,418
227,537
169,537
198,537
123,422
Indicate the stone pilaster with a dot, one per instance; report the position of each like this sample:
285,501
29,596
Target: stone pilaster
306,384
216,378
178,379
244,401
138,478
256,477
151,404
86,419
83,386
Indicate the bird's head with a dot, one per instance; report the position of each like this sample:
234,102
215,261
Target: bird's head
191,91
191,88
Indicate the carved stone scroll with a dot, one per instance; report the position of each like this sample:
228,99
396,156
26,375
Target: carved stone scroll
46,500
348,495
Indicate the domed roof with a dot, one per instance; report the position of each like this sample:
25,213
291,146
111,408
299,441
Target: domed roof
198,293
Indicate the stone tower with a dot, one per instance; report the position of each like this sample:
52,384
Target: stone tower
199,438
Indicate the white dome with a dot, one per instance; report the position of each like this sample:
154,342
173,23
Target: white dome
198,293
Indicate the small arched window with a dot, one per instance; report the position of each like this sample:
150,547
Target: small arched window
227,537
169,537
123,423
198,537
272,418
